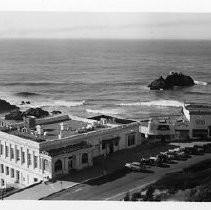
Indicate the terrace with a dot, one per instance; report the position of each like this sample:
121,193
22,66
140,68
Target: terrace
56,130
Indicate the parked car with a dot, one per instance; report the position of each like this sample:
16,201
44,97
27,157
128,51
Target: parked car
145,161
135,166
165,157
194,150
207,148
177,155
200,148
153,160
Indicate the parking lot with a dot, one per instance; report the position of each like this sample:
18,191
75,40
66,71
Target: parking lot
182,152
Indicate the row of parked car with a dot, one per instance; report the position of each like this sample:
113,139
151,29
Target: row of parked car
163,159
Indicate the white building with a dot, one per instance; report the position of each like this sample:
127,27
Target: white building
199,117
195,123
35,149
157,129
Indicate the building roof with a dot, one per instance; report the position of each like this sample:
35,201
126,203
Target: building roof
166,120
197,108
67,149
55,129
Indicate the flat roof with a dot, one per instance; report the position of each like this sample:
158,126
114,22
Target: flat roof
171,119
197,108
52,129
67,149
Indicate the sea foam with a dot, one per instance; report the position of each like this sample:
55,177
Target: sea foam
105,111
200,82
162,103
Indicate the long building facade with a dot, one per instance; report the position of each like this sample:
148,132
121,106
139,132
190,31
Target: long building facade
36,150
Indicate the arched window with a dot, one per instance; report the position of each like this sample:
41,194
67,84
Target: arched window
84,158
58,165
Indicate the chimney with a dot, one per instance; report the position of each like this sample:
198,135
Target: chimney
60,135
39,130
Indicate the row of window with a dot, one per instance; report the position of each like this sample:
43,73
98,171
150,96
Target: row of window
23,155
130,141
7,171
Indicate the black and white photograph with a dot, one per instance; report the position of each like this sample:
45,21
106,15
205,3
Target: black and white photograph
101,104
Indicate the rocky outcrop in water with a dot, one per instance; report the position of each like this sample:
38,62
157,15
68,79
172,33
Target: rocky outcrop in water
6,106
18,115
172,80
56,112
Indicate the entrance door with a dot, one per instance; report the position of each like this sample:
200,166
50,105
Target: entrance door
111,148
163,138
70,163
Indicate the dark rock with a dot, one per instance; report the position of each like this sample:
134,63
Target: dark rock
56,112
18,115
172,80
158,84
28,102
180,80
14,115
5,106
36,112
22,103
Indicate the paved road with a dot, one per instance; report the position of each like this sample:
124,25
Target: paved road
114,187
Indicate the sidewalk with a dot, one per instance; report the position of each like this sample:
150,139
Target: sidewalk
111,163
42,190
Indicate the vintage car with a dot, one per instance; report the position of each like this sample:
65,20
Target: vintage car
135,166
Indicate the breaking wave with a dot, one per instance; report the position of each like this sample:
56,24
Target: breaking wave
200,82
69,103
58,103
165,103
105,111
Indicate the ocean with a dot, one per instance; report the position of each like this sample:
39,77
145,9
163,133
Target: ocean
91,77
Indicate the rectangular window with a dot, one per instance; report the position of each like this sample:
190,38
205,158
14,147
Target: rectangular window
2,182
103,145
131,139
12,173
7,151
1,149
12,153
35,161
23,157
45,165
17,154
7,170
29,159
2,168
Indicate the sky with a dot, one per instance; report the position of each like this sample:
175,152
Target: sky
104,25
